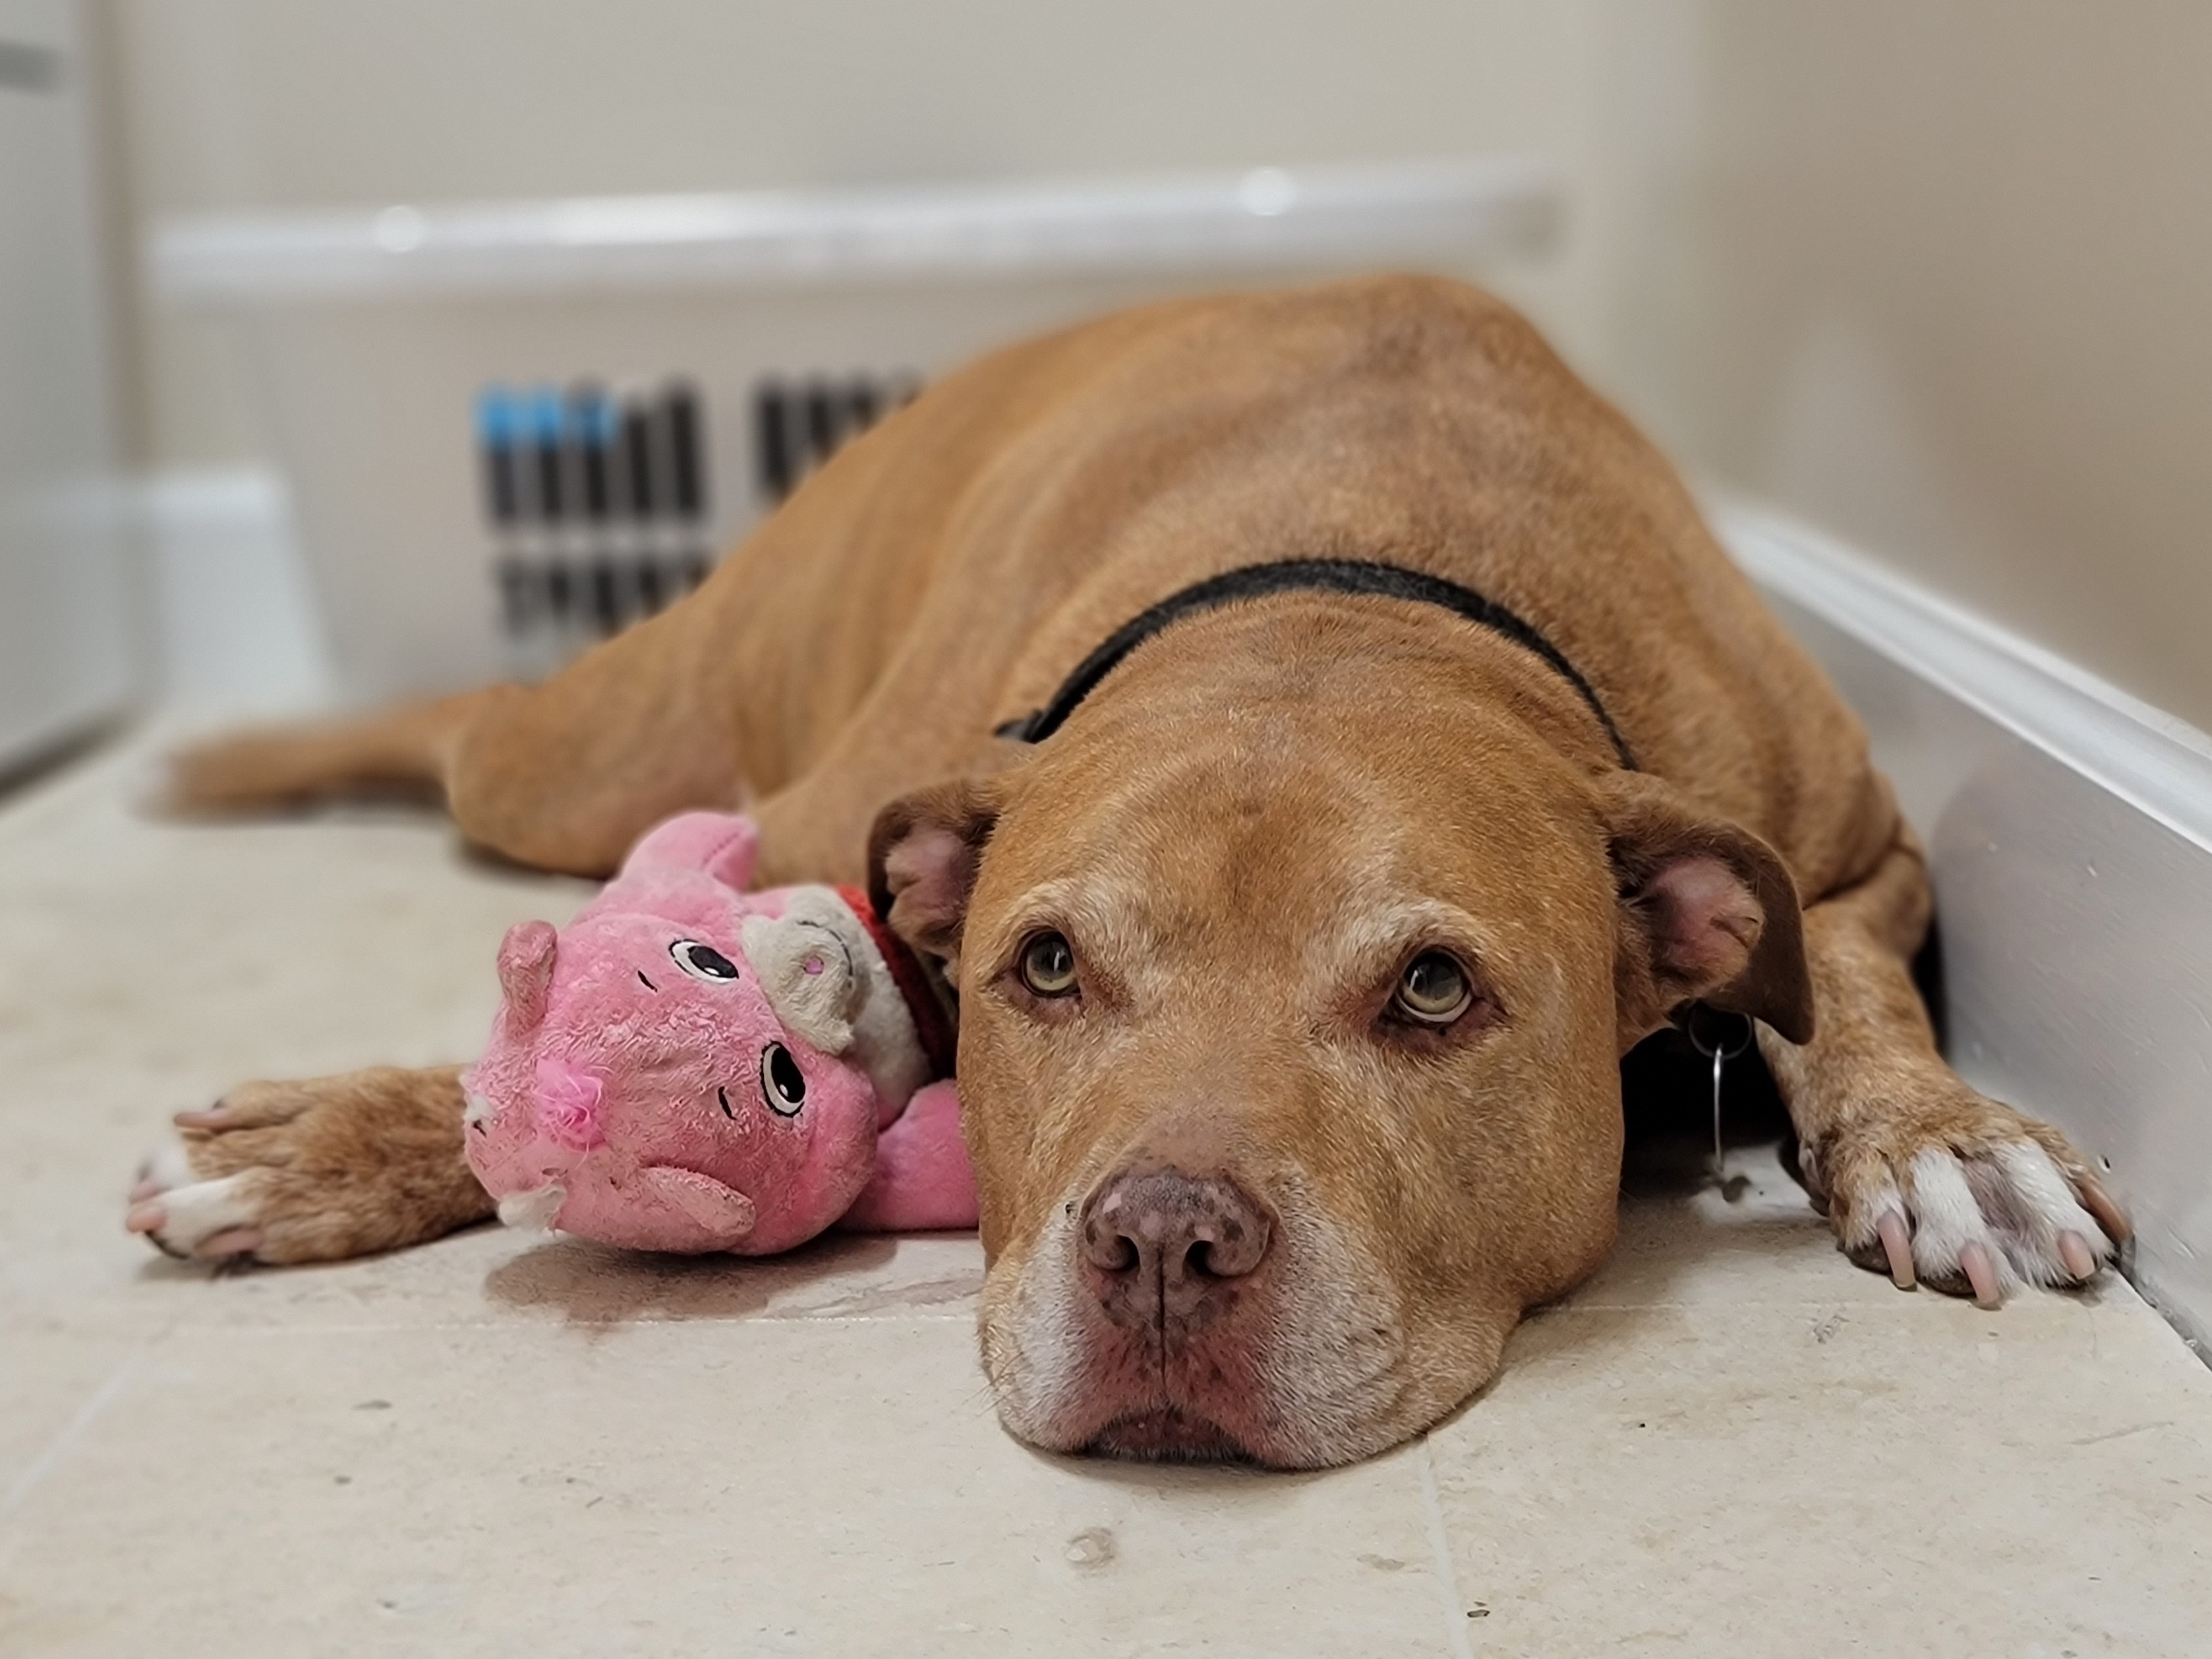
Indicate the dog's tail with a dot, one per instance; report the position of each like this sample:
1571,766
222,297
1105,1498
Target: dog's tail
404,751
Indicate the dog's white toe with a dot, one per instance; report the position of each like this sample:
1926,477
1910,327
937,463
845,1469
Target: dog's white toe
185,1216
168,1168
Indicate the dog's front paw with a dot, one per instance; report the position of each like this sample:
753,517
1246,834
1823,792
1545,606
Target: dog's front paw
185,1213
1936,1182
311,1172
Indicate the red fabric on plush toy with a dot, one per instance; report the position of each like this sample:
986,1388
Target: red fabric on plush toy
688,1066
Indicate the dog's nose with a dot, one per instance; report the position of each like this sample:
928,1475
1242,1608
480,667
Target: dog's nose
1166,1249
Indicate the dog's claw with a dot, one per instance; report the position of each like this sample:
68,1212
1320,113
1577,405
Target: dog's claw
145,1216
1974,1261
2109,1216
212,1117
2074,1251
1897,1245
232,1240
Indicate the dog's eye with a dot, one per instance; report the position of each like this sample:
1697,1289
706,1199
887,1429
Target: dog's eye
1048,966
1433,990
701,961
782,1084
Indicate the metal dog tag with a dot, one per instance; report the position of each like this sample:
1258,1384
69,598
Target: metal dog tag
1704,1028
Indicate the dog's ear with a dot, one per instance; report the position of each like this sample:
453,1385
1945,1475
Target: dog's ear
923,855
1708,913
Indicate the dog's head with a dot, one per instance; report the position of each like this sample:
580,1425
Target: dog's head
1292,1007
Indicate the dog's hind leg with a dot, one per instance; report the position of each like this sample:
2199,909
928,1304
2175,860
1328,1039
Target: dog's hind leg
1920,1174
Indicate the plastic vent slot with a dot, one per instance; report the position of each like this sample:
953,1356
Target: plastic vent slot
799,425
597,503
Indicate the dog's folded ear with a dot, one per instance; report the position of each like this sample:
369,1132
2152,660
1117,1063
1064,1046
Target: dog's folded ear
1708,913
923,855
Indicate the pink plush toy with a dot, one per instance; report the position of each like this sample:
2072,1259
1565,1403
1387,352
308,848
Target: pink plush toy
688,1066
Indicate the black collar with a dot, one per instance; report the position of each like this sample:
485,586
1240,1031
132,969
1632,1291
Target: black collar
1311,576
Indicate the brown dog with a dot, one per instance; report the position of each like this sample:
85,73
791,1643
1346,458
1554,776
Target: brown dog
1295,969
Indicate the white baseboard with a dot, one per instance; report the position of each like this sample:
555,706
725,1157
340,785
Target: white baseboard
2070,827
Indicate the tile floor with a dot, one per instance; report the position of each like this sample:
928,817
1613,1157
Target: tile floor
1730,1442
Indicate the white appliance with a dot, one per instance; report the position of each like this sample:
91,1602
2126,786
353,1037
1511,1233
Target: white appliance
66,651
508,427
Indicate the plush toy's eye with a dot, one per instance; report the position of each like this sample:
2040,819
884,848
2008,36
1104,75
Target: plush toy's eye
782,1081
1433,990
1048,966
701,961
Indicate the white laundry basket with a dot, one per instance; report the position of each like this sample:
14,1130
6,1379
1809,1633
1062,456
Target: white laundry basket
509,428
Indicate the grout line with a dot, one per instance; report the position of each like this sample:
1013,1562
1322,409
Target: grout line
355,1328
1455,1636
1718,1304
19,1490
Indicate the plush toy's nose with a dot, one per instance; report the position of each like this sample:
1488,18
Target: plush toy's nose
569,1106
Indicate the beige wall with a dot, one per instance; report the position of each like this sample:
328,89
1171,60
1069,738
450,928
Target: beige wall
1935,272
1938,275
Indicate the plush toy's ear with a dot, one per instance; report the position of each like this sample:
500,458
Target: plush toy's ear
923,855
805,971
1708,913
722,1215
723,845
525,972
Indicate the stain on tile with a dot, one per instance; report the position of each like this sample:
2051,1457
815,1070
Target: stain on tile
1092,1549
836,1276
